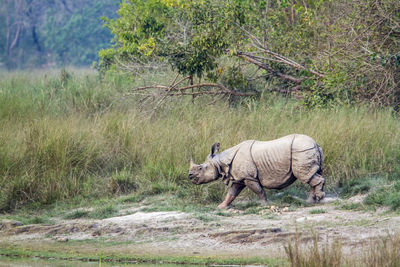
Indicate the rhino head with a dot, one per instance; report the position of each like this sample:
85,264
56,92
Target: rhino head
206,172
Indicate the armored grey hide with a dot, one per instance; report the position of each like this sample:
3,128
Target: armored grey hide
275,164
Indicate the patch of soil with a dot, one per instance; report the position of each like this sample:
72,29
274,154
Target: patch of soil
239,234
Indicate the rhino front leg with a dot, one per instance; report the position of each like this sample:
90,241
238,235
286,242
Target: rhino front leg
317,183
256,187
311,196
233,192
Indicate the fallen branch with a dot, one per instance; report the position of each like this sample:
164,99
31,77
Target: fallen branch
160,93
169,90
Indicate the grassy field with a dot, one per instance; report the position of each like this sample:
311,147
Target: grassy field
70,135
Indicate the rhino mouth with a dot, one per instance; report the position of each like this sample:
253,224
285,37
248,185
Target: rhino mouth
194,179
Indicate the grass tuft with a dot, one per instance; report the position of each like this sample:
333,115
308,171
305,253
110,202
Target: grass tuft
205,218
385,252
317,211
103,212
76,214
329,255
352,206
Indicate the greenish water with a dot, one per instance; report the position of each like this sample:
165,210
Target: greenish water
36,262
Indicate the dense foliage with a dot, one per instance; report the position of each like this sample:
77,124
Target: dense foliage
37,33
322,51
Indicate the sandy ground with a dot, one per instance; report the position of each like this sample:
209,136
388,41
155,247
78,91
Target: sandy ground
237,235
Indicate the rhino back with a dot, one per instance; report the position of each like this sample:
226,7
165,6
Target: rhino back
273,162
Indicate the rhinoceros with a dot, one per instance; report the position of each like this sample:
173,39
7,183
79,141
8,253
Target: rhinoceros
271,164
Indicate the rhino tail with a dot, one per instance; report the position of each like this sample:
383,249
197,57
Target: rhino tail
321,160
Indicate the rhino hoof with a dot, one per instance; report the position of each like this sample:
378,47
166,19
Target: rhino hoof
223,206
311,200
320,197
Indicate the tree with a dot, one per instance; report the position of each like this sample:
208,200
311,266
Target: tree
189,35
193,36
323,51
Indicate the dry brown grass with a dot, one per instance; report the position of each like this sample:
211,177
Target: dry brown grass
383,252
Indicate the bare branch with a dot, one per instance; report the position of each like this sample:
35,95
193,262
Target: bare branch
151,87
160,93
174,91
264,66
256,43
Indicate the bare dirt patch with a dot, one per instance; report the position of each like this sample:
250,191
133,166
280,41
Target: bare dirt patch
263,233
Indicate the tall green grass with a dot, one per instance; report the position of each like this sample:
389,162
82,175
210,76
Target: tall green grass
66,134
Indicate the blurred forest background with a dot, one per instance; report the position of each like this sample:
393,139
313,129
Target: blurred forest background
51,33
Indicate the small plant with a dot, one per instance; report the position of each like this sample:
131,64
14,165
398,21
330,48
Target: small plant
205,218
103,212
33,219
40,220
352,206
65,76
246,205
253,210
76,214
317,211
223,213
133,198
270,216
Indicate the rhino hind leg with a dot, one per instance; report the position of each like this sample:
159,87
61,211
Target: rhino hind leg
256,187
233,192
317,183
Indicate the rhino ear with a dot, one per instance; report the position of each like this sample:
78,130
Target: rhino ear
214,149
